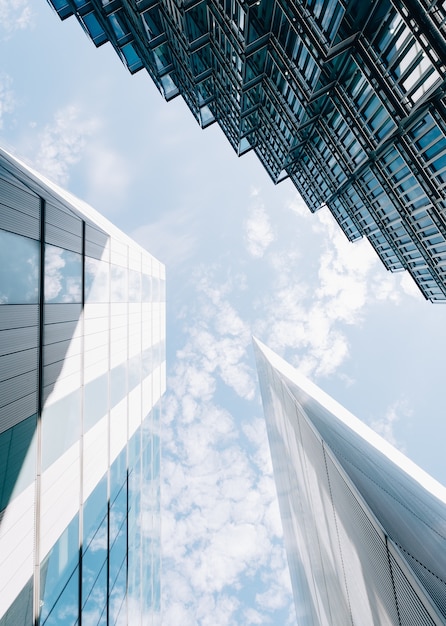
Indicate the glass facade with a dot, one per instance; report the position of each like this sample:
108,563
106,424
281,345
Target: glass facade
344,98
364,527
82,372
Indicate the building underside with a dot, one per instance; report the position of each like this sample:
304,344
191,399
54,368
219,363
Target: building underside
345,98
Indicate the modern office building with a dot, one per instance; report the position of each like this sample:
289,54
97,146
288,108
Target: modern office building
364,527
82,371
345,98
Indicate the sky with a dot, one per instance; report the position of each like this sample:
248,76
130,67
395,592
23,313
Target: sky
243,258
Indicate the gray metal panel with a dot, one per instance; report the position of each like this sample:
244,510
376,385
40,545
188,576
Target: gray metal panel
19,198
58,332
18,363
58,237
62,312
17,339
94,250
63,219
15,388
18,315
55,352
17,411
20,223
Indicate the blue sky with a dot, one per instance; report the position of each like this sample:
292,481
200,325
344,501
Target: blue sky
243,257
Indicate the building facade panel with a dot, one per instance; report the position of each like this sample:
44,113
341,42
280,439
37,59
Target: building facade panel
325,93
363,526
71,436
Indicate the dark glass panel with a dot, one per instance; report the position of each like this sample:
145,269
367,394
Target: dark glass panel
17,459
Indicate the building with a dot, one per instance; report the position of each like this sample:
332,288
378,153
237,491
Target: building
344,98
364,527
82,371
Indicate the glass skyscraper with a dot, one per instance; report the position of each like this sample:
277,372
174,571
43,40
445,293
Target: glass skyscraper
343,97
82,372
364,527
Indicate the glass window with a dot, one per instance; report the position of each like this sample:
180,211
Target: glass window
19,269
95,509
58,577
118,474
17,459
63,275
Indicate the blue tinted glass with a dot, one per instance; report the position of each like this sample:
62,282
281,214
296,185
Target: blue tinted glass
118,474
94,599
95,509
60,427
63,275
118,514
17,459
131,56
56,570
117,597
66,610
94,28
94,575
19,269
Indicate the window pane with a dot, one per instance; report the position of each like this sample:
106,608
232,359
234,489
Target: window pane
63,275
19,269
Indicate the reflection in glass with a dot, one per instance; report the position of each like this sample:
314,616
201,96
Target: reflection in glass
19,269
17,459
58,577
63,275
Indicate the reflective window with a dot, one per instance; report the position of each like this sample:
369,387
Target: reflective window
63,275
118,473
59,578
94,560
17,459
19,269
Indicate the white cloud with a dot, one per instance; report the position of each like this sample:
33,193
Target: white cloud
258,231
15,15
310,322
385,426
221,524
62,143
